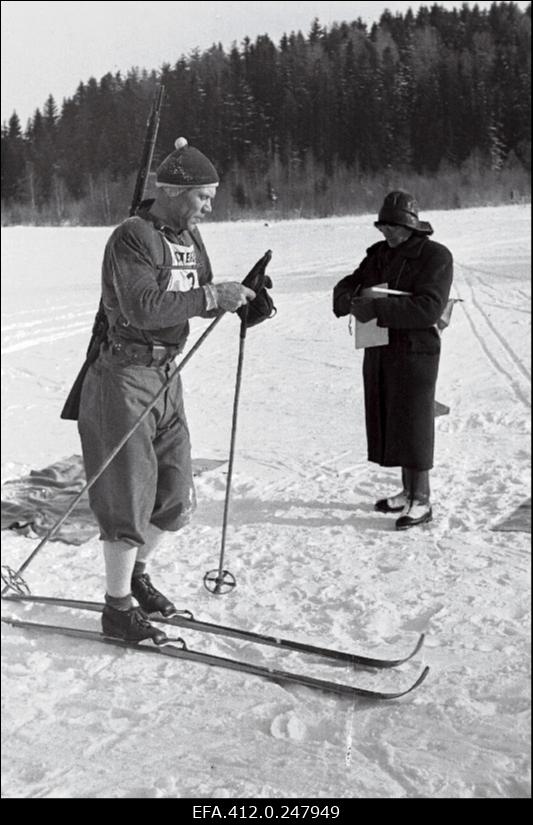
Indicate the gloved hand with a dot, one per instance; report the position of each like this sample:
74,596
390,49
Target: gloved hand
262,307
342,299
363,308
231,295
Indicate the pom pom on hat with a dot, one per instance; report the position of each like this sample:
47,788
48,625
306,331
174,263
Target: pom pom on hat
186,166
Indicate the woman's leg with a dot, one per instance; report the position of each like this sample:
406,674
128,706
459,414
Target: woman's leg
396,503
418,508
416,484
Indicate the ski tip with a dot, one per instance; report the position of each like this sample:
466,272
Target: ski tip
411,655
414,686
421,678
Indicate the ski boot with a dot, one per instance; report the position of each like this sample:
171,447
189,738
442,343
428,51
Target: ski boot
130,625
150,599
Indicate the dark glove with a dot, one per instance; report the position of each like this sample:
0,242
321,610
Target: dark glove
261,308
364,309
341,302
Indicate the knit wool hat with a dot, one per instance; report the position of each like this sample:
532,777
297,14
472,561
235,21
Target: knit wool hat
401,209
186,167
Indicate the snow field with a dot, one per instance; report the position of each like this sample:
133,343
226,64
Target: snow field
312,559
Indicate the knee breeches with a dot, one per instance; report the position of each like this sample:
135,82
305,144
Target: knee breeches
150,479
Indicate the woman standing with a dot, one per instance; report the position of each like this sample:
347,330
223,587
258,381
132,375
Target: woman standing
400,377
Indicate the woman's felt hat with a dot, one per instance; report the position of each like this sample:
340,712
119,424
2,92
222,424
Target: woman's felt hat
401,209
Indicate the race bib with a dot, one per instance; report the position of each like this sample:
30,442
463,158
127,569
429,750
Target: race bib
184,272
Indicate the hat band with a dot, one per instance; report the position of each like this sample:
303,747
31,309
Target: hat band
184,186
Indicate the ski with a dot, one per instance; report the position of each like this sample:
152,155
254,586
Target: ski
187,620
183,652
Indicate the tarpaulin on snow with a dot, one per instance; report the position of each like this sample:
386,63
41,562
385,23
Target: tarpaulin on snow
518,522
31,505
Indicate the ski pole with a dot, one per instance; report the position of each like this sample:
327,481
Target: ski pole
220,580
14,577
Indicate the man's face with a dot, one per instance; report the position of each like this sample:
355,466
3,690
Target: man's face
193,205
394,235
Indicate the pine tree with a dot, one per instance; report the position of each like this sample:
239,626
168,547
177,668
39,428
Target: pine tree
13,160
411,93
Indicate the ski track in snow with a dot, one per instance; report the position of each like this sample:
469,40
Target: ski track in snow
23,334
312,560
492,342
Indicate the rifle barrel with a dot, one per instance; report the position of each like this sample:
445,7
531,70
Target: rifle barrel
152,127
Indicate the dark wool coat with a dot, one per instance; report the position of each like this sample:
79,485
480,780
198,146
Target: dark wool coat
400,378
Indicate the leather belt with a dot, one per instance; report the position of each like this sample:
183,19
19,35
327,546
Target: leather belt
147,355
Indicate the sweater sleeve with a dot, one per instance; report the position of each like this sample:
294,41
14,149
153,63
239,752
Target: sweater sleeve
142,300
425,305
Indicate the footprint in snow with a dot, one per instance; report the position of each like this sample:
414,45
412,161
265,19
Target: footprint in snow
288,726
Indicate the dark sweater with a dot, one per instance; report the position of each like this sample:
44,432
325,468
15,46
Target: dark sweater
144,298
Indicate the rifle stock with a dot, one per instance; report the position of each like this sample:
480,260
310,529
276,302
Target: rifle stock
71,407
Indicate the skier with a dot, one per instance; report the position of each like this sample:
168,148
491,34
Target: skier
400,377
156,275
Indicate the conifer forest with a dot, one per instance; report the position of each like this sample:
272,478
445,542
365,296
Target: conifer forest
319,123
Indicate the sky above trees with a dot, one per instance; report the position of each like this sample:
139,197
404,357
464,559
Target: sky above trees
49,47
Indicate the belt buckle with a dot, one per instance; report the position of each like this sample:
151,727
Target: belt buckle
158,354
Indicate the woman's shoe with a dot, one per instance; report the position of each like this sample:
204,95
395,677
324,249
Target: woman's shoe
414,513
392,505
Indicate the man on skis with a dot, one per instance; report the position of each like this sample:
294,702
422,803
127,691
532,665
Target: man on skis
156,275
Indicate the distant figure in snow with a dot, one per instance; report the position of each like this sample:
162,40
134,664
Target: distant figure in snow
156,275
400,377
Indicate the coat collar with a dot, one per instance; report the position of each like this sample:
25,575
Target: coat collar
413,246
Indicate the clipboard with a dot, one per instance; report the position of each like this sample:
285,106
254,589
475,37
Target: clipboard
368,334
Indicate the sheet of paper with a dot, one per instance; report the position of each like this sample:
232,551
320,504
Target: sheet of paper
387,291
368,334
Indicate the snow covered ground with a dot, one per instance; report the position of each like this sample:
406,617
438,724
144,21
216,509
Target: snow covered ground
312,560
